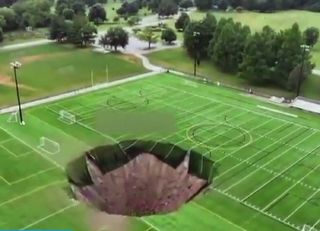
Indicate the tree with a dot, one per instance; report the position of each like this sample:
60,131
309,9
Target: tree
128,8
1,35
79,7
185,4
204,4
167,8
182,22
197,44
259,57
82,33
10,19
311,36
148,35
59,29
68,14
116,36
134,20
229,47
168,35
294,75
97,14
289,54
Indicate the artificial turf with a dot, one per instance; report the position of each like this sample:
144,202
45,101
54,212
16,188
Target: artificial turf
267,163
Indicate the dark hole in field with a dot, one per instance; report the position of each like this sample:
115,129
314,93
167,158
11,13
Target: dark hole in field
139,178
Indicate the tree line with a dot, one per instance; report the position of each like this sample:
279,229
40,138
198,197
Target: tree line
265,57
259,5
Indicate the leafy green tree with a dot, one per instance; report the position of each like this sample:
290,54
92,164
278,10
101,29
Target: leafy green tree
259,57
182,22
185,4
229,47
134,20
1,35
167,8
289,54
68,14
197,38
148,35
294,75
82,33
168,35
115,37
203,4
79,7
97,14
311,36
9,17
59,29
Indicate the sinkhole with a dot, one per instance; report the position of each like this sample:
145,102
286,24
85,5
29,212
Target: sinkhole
139,178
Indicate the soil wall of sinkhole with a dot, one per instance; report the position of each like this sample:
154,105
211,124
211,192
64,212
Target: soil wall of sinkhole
139,178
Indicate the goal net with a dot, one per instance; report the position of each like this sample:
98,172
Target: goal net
309,228
49,146
67,117
13,117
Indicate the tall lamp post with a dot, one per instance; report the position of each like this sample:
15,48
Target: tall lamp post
195,35
16,65
305,49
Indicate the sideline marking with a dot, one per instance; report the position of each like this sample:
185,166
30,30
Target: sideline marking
277,111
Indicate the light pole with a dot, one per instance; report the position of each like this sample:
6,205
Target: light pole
195,41
16,65
305,49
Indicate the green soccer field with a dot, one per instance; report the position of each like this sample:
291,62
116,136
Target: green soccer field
267,157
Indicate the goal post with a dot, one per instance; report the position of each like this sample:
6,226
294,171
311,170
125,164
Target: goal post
13,117
67,117
49,146
309,228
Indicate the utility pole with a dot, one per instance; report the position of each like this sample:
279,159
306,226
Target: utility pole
305,49
16,65
195,41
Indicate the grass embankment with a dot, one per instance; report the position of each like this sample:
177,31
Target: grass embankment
178,59
52,69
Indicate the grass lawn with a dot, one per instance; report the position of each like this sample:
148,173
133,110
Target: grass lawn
177,59
266,160
53,68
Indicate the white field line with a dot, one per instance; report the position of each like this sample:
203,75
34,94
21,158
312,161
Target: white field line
150,224
288,189
77,92
275,173
255,208
277,111
5,180
254,155
9,152
217,215
30,192
49,216
33,175
183,138
251,130
276,176
234,105
5,141
302,204
267,163
44,156
315,224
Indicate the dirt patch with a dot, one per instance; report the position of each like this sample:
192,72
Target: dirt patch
130,58
144,186
9,82
34,58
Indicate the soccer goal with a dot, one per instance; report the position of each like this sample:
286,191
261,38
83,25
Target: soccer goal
49,146
309,228
13,117
67,117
